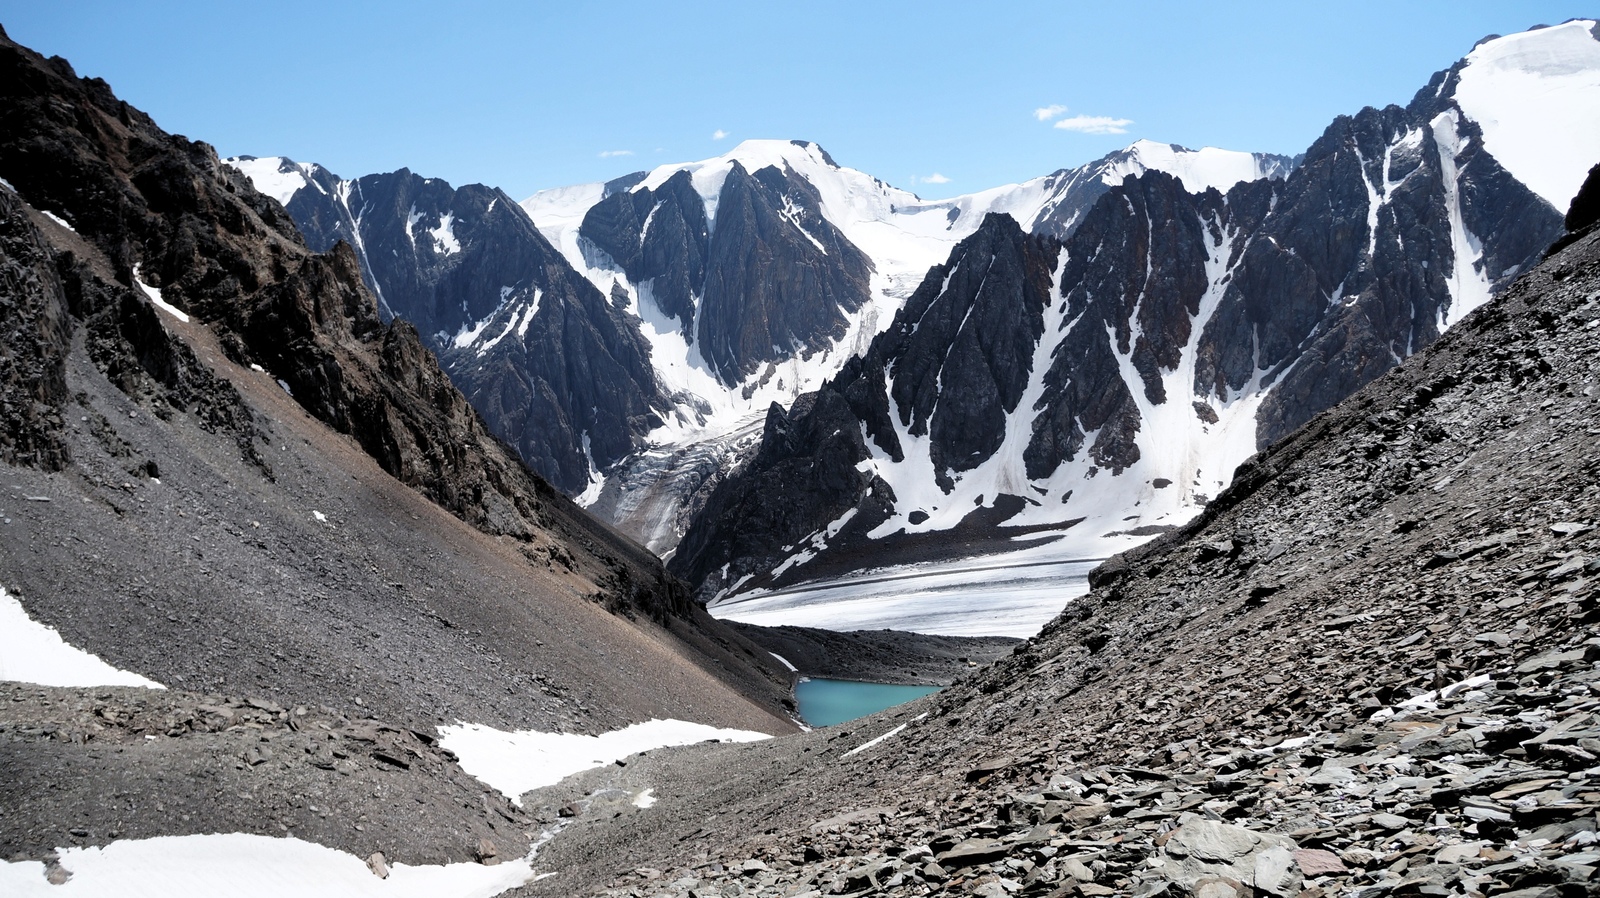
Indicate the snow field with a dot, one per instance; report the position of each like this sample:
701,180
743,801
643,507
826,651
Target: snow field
31,652
1015,596
275,176
246,866
517,762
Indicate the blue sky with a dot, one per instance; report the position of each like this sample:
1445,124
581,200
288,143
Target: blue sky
532,95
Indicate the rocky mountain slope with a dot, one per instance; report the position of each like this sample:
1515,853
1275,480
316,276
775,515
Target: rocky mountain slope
553,365
1368,668
1104,387
219,469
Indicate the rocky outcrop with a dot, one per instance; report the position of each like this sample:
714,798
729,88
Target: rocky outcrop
277,755
33,308
657,236
1400,267
780,278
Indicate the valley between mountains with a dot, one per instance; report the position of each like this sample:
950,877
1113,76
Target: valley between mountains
378,536
775,370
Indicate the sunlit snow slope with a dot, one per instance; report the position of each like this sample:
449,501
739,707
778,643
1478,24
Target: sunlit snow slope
1536,96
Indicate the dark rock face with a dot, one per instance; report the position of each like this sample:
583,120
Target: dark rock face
768,279
158,209
33,386
779,276
1351,298
556,369
807,460
1585,210
1302,289
660,236
958,354
1137,271
965,343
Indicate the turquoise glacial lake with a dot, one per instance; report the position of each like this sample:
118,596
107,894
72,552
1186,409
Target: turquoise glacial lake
827,702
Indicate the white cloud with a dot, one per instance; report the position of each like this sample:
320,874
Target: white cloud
718,134
607,154
936,178
1046,113
1095,124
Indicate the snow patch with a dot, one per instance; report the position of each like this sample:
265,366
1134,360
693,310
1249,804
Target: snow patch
275,176
155,298
872,742
1198,169
597,480
58,220
444,236
249,866
1468,279
31,652
518,322
515,763
470,333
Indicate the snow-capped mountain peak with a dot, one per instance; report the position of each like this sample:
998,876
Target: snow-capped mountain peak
803,157
1197,170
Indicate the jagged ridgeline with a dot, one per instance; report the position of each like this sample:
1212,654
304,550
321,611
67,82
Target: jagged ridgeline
1108,384
751,277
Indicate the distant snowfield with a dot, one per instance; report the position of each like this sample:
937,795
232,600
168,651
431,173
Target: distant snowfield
515,763
31,652
1014,596
246,866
